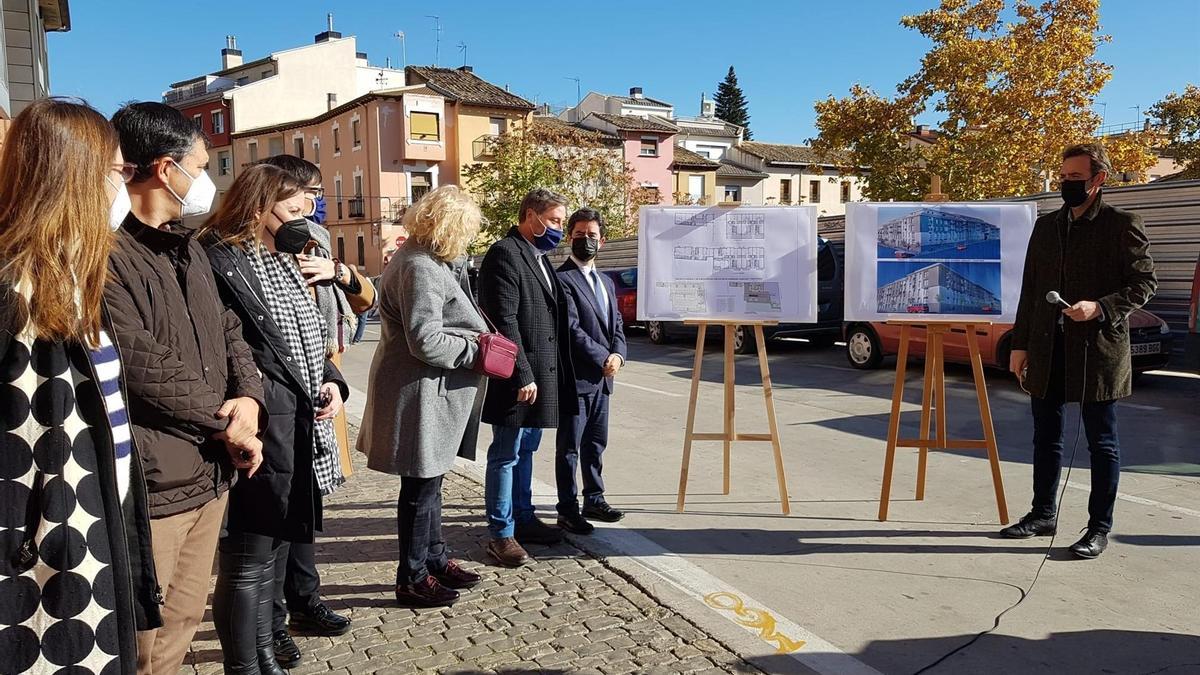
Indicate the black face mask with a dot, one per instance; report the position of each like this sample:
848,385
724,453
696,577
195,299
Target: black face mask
585,248
1074,192
292,236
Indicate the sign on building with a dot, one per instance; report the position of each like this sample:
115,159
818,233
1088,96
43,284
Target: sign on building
723,263
949,261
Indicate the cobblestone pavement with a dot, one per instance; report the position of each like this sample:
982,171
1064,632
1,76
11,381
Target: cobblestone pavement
565,613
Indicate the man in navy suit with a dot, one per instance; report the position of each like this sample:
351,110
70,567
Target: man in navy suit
597,348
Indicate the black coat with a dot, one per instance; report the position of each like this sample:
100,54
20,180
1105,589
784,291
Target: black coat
514,296
593,339
282,499
1103,256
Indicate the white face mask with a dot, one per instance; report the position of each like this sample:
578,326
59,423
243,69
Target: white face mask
199,197
120,207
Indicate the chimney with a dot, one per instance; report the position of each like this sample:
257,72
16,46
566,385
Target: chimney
231,56
1146,124
329,34
636,92
330,101
708,109
467,69
387,62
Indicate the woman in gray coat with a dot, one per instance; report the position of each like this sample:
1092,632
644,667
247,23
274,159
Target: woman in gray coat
423,403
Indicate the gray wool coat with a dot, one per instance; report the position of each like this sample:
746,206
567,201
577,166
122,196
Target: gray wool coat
424,399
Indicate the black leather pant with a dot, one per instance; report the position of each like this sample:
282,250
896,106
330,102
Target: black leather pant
242,603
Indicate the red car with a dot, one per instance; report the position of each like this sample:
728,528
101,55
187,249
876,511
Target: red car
625,281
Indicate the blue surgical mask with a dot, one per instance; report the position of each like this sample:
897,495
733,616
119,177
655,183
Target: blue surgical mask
549,239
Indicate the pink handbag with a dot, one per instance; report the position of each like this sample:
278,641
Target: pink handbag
497,355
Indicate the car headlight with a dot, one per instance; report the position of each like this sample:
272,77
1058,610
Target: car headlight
1164,329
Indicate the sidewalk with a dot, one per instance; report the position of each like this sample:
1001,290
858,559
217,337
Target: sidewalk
565,613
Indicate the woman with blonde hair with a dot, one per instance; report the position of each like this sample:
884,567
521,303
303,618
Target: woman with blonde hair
425,397
76,575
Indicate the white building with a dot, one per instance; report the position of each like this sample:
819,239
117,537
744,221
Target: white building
636,104
795,175
24,65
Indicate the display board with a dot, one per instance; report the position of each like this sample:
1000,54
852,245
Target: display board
951,261
727,263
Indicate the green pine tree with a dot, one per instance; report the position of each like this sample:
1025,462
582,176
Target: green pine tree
731,103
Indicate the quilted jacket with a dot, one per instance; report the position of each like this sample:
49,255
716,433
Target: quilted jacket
184,356
282,499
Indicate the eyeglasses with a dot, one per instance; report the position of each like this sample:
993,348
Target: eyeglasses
126,171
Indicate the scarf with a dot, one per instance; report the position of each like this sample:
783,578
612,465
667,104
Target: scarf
331,300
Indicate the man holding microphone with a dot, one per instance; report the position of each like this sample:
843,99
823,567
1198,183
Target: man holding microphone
1087,268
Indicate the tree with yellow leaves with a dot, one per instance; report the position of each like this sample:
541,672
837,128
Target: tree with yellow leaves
1178,116
1012,95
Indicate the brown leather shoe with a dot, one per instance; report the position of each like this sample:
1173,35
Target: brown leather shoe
454,576
428,593
508,552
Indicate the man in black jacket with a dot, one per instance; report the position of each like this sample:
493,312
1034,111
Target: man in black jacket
1097,258
520,293
194,391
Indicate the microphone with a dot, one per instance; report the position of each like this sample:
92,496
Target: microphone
1055,299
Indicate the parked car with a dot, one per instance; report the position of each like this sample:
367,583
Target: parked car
867,343
830,310
625,281
1191,351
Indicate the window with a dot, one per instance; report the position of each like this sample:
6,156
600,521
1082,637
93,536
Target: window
497,125
243,81
337,142
354,133
362,251
785,191
422,183
696,188
298,147
814,191
337,194
649,146
424,126
196,120
711,151
733,193
358,186
316,152
341,247
274,147
218,122
267,73
845,191
252,147
224,163
826,261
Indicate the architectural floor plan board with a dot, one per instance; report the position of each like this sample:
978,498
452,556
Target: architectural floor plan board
723,263
948,260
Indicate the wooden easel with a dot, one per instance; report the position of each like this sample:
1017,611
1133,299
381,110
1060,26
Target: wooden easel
729,434
933,401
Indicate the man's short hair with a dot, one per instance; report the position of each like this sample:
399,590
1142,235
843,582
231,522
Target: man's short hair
540,200
1094,152
150,130
587,215
300,169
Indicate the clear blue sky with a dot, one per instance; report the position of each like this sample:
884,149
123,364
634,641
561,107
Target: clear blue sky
787,53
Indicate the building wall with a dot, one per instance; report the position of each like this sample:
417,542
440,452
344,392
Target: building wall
715,148
26,69
652,171
830,203
305,76
752,190
468,123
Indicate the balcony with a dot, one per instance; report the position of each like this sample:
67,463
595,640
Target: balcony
196,90
355,206
484,147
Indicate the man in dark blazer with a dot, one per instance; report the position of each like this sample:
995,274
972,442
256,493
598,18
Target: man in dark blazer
597,350
521,295
1097,258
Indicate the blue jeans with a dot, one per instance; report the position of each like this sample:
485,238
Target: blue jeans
1100,427
360,330
507,491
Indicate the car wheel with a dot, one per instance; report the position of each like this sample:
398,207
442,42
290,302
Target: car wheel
863,349
743,340
657,332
